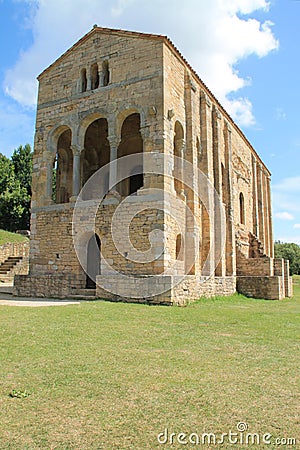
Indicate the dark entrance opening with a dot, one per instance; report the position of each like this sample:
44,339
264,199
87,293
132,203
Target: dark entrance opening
93,261
135,183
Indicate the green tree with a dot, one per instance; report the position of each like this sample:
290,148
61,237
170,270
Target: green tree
15,189
291,252
22,162
6,173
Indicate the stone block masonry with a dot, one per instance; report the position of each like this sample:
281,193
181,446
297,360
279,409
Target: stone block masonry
118,96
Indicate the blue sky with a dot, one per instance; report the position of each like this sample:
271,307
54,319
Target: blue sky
246,51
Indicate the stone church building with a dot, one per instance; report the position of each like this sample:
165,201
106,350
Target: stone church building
194,198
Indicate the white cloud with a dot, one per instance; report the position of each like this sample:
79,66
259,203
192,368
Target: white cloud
296,225
284,215
241,110
290,185
293,239
214,35
280,114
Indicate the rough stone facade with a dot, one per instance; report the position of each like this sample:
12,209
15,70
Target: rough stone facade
14,260
118,93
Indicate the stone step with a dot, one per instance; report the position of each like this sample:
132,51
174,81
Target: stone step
6,278
84,297
84,293
9,264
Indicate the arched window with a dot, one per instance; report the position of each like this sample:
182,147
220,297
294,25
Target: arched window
96,154
63,169
177,148
105,73
94,76
242,209
131,143
83,80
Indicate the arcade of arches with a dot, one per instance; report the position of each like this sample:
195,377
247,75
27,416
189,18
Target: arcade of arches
95,155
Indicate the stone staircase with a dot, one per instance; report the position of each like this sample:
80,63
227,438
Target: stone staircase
84,294
7,268
256,249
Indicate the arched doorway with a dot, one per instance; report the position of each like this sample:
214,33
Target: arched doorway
93,261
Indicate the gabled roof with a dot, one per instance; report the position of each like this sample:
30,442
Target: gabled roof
169,43
110,31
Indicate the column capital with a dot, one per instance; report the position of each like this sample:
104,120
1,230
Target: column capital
206,98
228,126
216,112
114,140
76,149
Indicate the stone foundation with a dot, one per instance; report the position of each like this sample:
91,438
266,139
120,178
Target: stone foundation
55,286
269,288
264,277
174,292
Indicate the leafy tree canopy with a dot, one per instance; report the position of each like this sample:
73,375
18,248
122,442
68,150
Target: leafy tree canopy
291,252
15,190
22,162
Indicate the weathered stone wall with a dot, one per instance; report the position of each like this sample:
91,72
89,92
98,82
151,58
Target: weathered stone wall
110,75
54,252
175,290
269,288
14,249
47,285
135,86
256,267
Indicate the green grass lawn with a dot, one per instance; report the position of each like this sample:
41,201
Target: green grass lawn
112,376
7,236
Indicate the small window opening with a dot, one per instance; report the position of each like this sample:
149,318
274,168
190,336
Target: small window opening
94,76
83,79
179,247
242,209
135,182
105,73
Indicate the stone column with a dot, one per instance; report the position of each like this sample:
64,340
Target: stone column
76,171
148,179
271,243
230,236
114,142
89,79
218,229
206,166
190,177
266,213
260,202
49,160
254,195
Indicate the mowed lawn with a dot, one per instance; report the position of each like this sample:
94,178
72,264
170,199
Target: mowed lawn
113,376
